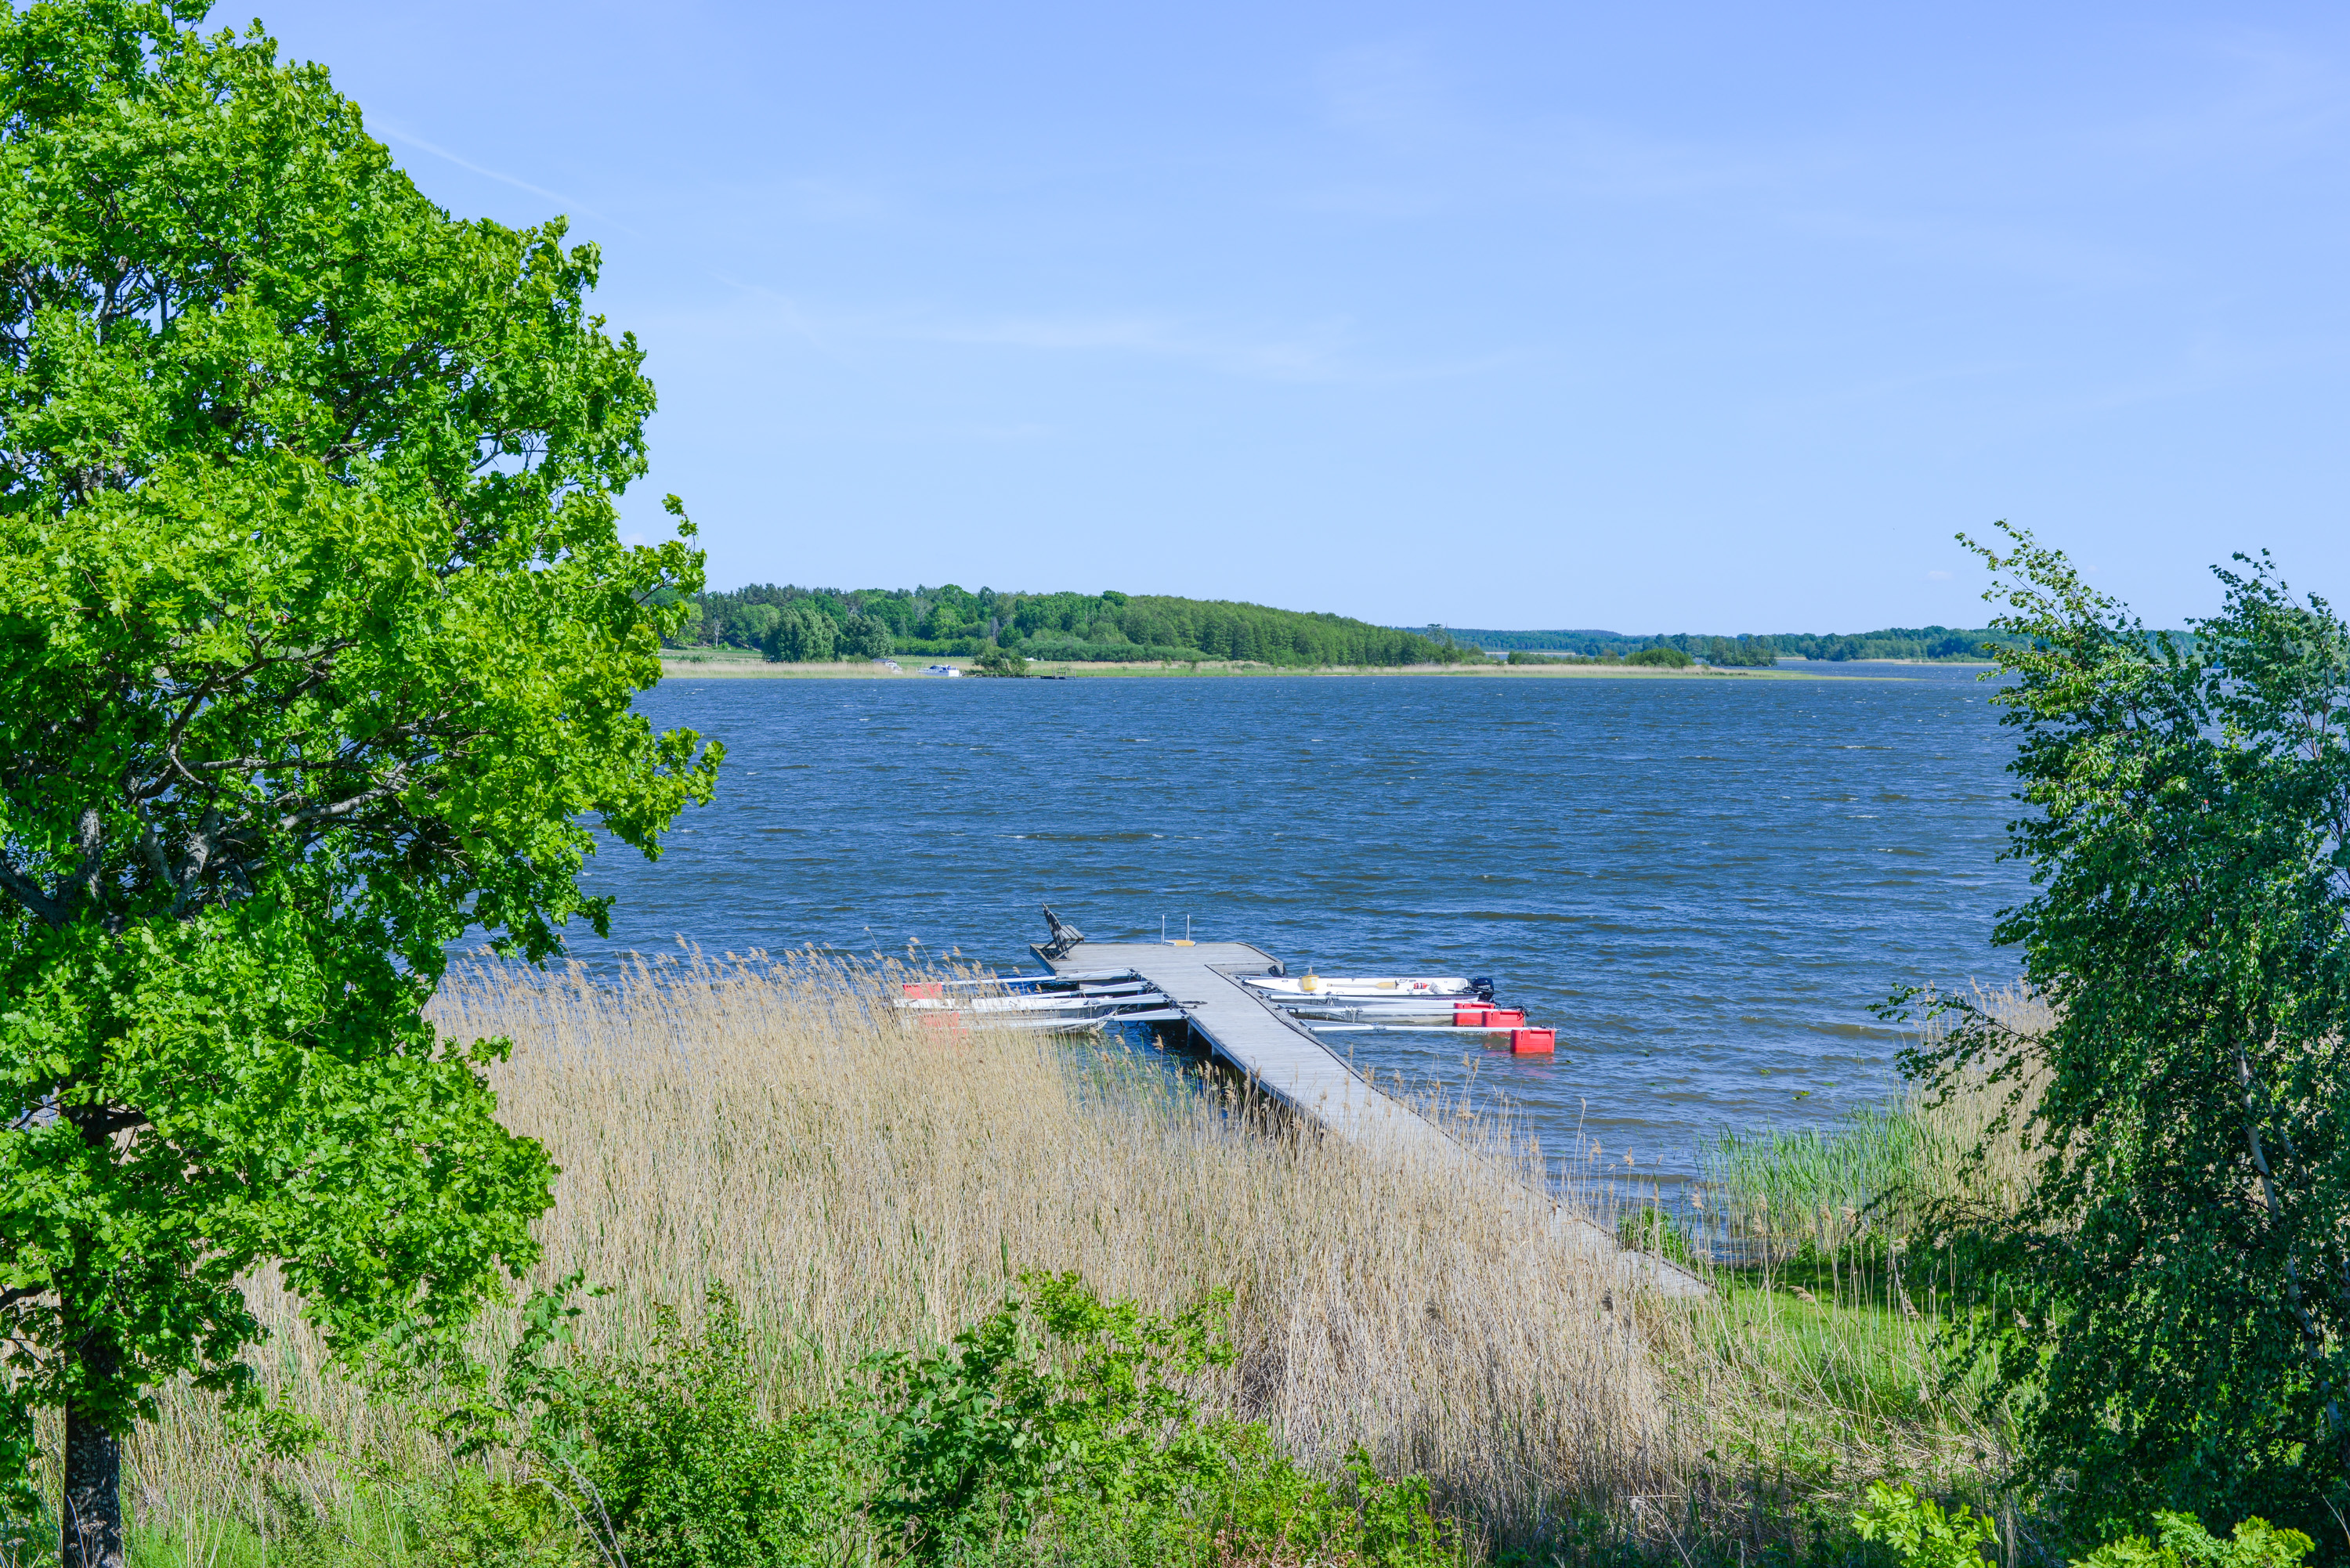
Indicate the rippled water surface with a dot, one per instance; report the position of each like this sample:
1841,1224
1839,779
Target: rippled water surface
1704,884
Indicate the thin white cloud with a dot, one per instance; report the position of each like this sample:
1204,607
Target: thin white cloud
392,133
1989,246
1312,357
1325,353
1391,91
1329,353
2268,99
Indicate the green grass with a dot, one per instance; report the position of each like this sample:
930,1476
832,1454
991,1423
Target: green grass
1828,1188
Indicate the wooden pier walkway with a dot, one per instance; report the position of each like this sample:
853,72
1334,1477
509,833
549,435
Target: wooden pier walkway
1283,1060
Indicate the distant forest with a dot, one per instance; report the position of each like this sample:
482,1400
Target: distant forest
1946,644
797,624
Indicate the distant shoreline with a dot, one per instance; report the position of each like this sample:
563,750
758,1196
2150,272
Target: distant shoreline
758,669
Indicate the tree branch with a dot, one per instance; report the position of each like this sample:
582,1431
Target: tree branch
27,892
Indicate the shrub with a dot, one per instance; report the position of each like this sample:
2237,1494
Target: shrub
2182,1541
976,1438
1661,657
487,1523
1084,1436
1920,1534
996,660
671,1456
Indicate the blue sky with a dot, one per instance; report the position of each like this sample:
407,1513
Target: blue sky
1653,317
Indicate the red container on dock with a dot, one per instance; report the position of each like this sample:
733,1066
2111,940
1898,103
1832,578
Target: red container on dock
929,988
1472,1015
946,1023
1534,1041
1505,1018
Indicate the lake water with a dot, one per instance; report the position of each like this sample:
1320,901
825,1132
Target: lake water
1703,883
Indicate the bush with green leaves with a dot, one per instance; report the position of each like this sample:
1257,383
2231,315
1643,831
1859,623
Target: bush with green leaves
2179,1541
1058,1427
996,660
1920,1533
1922,1536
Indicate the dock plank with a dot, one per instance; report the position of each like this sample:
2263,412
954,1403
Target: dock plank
1289,1064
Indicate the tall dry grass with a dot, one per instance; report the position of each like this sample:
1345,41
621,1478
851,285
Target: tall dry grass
859,1183
1980,1156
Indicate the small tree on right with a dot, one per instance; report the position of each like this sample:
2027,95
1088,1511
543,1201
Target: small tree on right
2164,1325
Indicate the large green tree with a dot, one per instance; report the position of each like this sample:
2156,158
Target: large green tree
2170,1325
318,646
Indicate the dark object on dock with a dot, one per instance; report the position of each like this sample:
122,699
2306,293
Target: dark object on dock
1064,937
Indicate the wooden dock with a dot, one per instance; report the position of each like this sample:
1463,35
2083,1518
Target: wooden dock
1285,1061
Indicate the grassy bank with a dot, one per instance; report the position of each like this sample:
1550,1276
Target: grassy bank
859,1186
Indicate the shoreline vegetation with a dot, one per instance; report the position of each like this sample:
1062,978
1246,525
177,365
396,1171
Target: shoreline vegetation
791,625
787,624
734,664
768,1171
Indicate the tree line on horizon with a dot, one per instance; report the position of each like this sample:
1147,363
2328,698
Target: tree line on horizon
793,624
1955,645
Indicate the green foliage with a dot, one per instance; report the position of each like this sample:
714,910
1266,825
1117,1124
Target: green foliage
1650,1230
1735,653
798,634
950,620
317,647
980,1435
1922,1536
1935,643
1399,1529
2182,1541
487,1522
1919,1533
1661,657
864,636
2174,1299
1058,1427
994,660
671,1459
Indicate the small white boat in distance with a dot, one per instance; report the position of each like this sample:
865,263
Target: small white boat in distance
1317,987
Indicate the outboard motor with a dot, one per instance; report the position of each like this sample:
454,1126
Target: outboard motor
1064,937
1482,984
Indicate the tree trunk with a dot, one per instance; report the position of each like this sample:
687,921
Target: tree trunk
93,1510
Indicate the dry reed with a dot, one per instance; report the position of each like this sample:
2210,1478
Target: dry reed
859,1183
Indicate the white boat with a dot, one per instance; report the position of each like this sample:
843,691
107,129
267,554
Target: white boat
959,1024
1315,987
1346,1010
1092,1002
